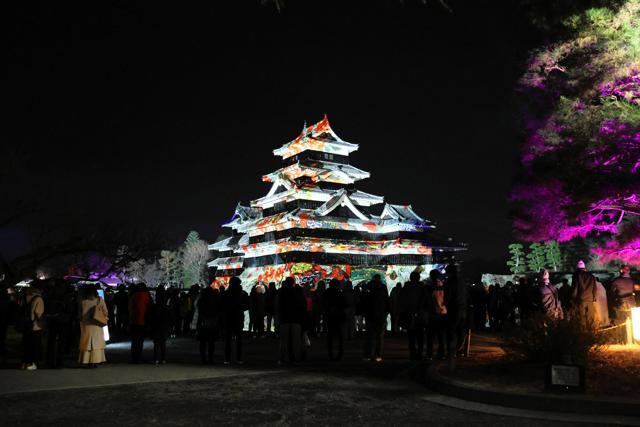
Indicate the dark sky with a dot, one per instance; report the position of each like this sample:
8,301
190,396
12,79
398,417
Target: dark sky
167,116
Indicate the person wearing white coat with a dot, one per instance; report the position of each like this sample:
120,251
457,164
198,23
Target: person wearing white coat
92,343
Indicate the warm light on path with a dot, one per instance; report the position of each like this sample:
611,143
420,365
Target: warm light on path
635,323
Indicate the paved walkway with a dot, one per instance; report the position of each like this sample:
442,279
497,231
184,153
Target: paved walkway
184,364
259,392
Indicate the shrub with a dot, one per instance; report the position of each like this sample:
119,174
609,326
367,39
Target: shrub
566,341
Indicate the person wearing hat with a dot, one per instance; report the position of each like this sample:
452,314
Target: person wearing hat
622,291
584,295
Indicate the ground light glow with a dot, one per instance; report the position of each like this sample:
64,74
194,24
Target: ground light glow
635,323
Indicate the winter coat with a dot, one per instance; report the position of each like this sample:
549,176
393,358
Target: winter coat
121,301
270,300
350,301
394,299
436,307
140,302
209,309
584,287
412,298
318,297
334,305
235,302
258,303
377,303
161,320
36,310
91,334
292,305
622,289
456,298
550,301
412,305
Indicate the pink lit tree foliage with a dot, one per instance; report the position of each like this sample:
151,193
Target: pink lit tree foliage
581,158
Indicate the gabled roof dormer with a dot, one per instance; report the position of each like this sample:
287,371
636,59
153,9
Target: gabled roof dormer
340,198
400,212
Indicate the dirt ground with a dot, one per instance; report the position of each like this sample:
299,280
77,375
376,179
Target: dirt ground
612,374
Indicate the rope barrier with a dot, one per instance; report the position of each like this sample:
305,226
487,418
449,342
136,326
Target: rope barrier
611,327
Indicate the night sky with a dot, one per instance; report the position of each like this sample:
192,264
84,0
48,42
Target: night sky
166,117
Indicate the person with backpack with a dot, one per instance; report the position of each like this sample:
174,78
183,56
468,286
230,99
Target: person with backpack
31,324
93,317
235,302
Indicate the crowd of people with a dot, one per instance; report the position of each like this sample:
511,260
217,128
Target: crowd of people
440,310
599,303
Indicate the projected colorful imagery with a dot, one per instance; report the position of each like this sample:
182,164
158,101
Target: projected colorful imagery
314,225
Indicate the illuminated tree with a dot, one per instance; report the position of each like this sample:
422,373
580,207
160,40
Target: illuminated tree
145,271
581,160
536,258
517,262
194,259
170,264
553,255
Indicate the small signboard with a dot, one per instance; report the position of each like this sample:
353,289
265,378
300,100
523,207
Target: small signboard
565,378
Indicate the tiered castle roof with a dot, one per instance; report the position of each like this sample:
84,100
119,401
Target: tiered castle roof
313,208
319,137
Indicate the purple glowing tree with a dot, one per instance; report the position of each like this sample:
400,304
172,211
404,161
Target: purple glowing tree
581,160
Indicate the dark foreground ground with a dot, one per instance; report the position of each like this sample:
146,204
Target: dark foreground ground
317,392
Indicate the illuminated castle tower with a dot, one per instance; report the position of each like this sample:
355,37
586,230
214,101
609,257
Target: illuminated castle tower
313,224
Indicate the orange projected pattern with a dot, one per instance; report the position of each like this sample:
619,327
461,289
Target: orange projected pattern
314,244
306,219
312,273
